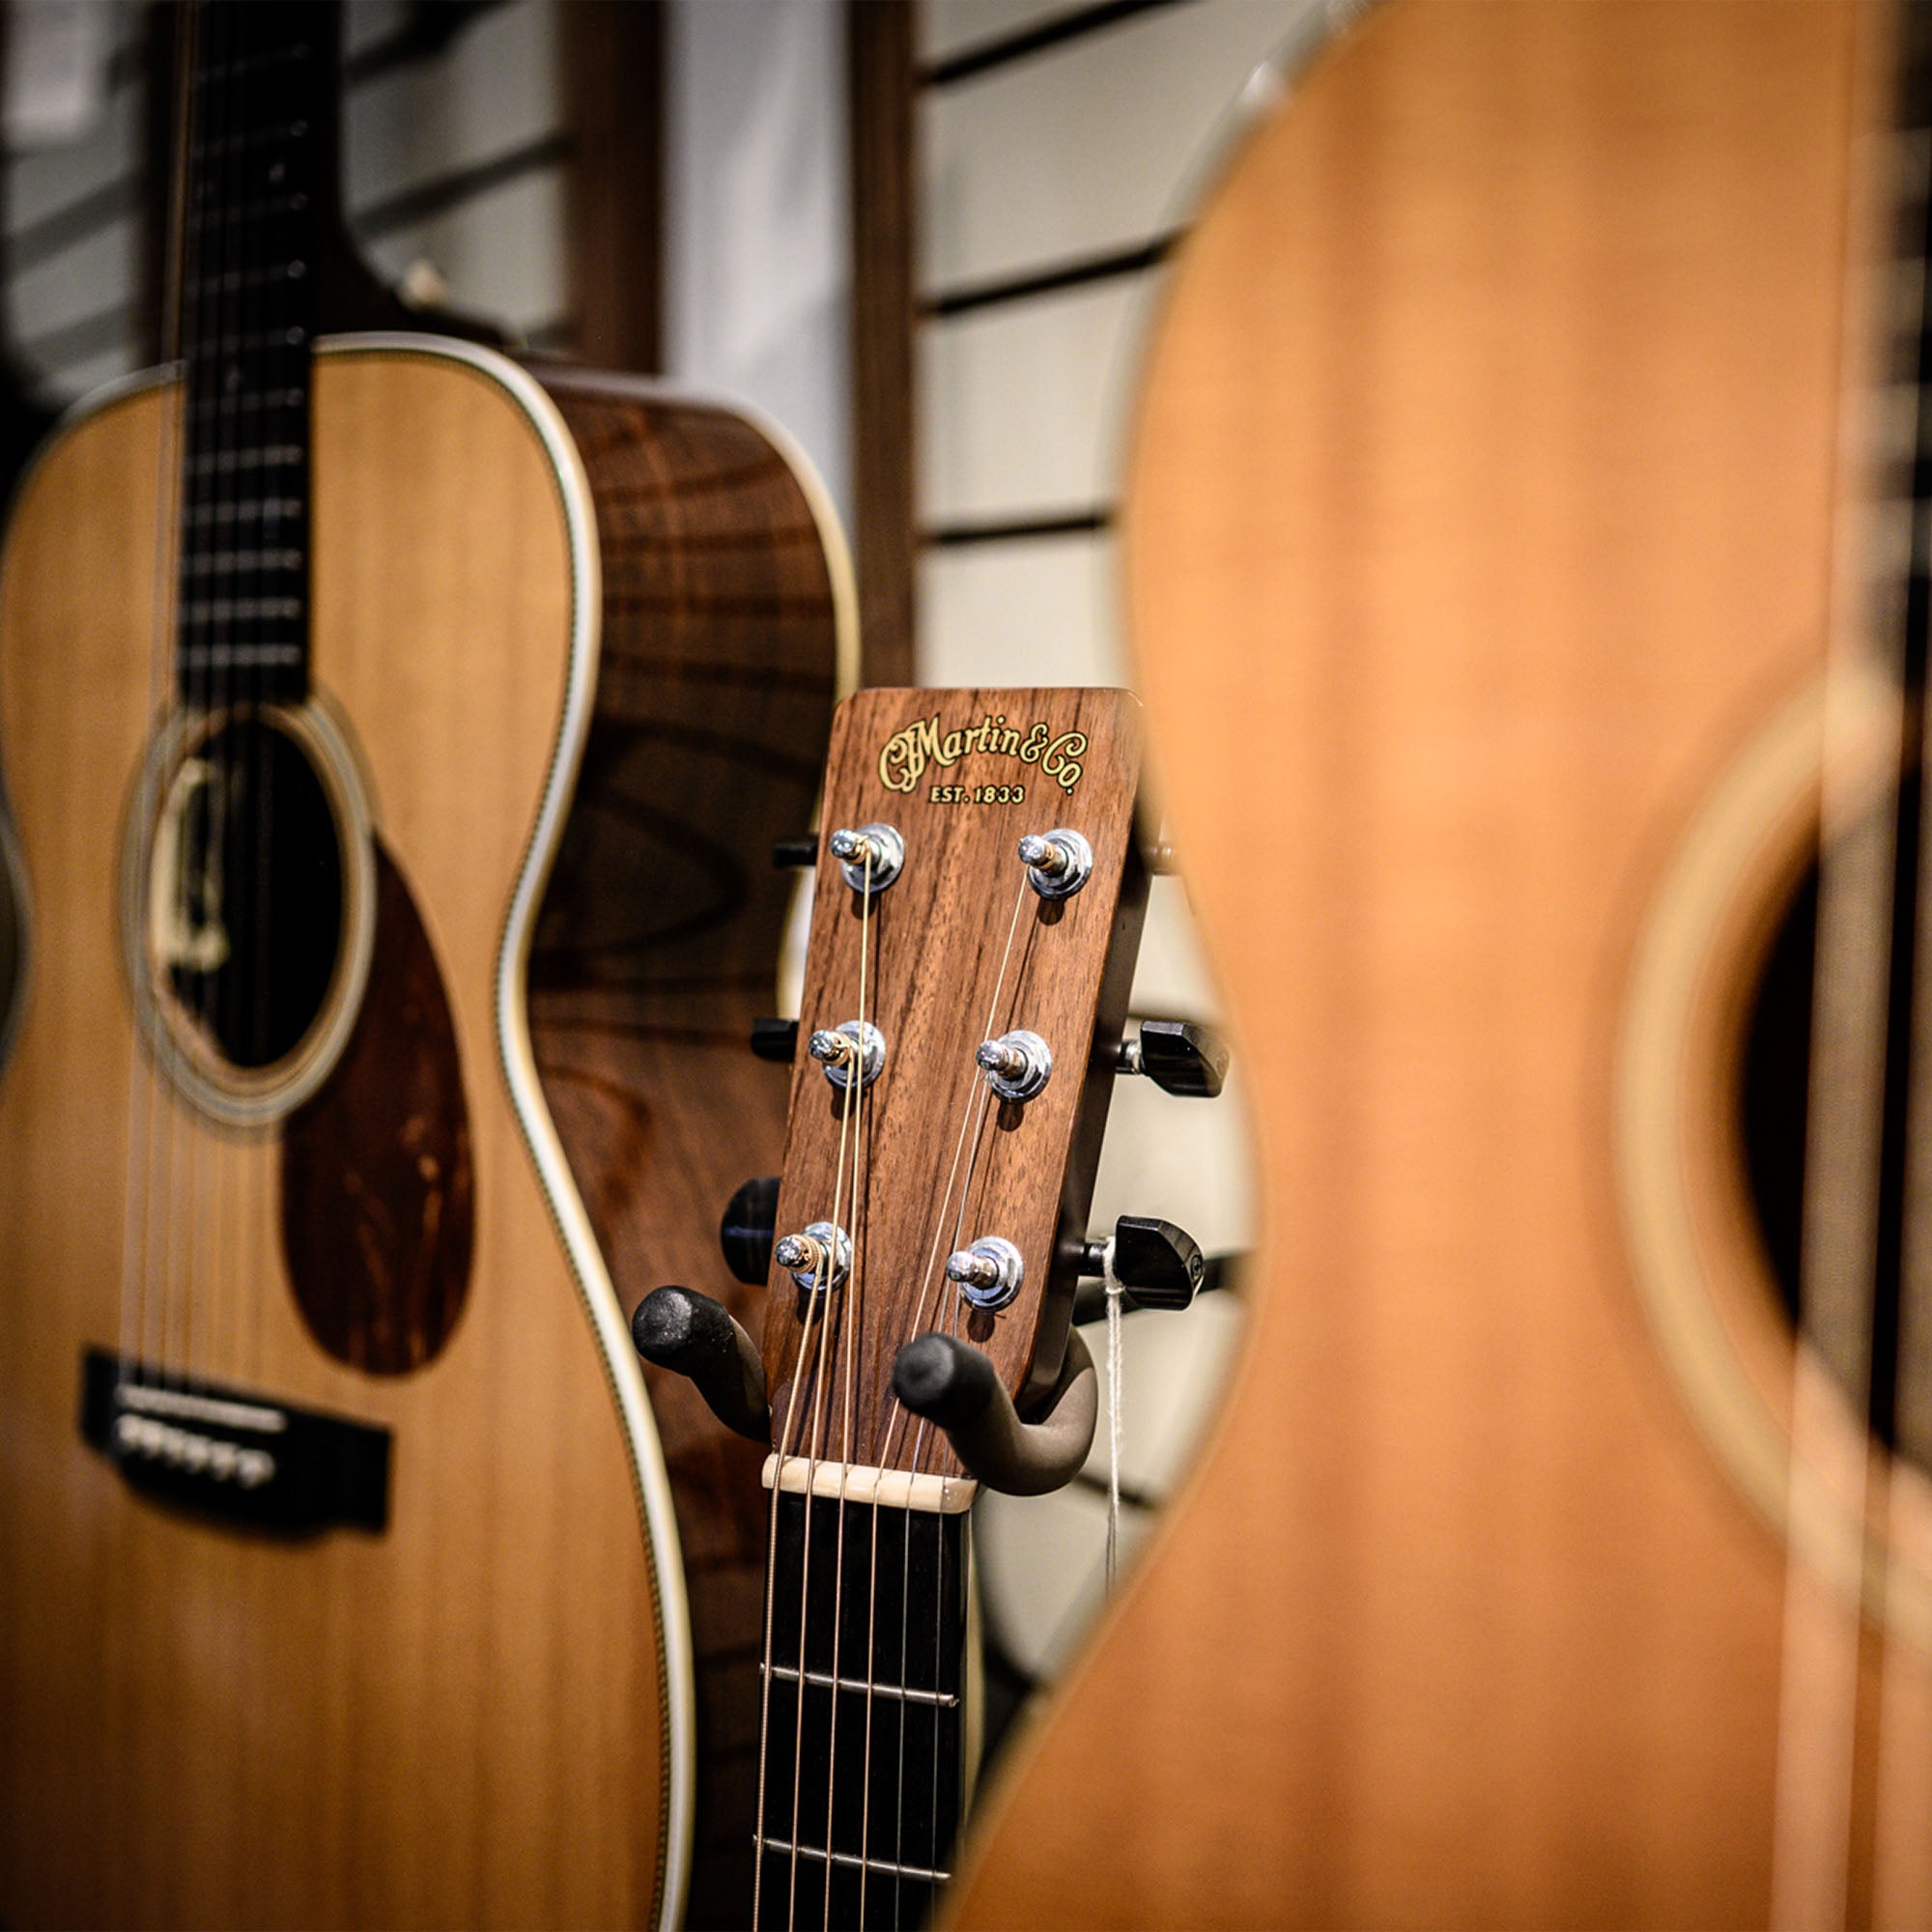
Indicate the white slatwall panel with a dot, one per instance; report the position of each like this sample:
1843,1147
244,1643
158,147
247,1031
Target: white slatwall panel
1089,146
85,285
1017,405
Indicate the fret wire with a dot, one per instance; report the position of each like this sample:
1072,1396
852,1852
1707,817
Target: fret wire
852,1860
824,1681
864,1808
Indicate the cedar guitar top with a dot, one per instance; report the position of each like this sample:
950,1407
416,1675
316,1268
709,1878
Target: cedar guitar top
963,776
1480,516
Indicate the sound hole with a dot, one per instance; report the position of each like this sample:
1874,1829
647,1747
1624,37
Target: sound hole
1774,1094
245,910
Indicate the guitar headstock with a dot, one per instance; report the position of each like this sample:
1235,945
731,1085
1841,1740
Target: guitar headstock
929,1152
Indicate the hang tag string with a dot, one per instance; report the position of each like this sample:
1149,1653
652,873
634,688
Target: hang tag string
1114,1291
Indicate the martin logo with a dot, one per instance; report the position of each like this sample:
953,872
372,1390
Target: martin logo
905,755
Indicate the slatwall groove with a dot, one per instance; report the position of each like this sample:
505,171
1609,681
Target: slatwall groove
443,193
65,226
407,45
1052,32
1049,279
81,340
1011,530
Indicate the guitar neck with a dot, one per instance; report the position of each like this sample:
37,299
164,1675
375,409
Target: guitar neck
259,100
864,1753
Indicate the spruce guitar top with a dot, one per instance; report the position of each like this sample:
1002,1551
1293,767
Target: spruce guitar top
393,898
1531,478
976,917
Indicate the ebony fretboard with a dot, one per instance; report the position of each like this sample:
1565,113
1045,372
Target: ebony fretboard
890,1764
256,149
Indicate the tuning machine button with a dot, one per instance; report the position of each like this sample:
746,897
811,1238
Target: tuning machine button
1158,1265
879,844
1179,1055
1017,1064
795,854
1058,863
837,1049
775,1041
988,1273
820,1257
748,1228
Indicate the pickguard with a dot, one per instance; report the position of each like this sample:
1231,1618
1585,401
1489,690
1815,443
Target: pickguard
378,1182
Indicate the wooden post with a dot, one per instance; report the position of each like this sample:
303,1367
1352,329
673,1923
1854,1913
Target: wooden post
613,55
879,44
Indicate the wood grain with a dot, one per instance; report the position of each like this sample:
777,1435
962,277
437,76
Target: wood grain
1480,518
658,945
378,1191
459,1721
881,89
959,948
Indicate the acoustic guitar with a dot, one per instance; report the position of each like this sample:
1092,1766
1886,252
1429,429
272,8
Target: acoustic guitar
977,909
394,734
1524,552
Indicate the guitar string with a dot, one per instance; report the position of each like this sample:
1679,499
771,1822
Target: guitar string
781,1460
852,1332
815,1435
969,1131
229,259
951,1325
175,721
883,1459
1902,1788
242,535
1901,1880
209,930
139,1295
1832,1467
954,1322
184,1202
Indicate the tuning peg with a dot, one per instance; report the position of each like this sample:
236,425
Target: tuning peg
748,1228
1158,1265
796,853
953,1384
678,1329
1217,1272
775,1039
1179,1055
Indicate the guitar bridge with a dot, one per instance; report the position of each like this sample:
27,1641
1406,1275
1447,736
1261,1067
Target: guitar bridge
244,1459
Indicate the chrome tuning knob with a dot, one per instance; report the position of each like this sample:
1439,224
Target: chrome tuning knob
879,844
840,1049
818,1259
1016,1065
1058,863
988,1273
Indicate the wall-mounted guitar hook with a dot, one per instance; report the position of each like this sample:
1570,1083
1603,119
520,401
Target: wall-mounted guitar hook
678,1328
949,1382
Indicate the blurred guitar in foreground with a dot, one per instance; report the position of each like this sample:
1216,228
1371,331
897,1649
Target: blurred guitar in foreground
1524,549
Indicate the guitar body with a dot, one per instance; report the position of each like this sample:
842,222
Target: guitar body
1480,556
481,1714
